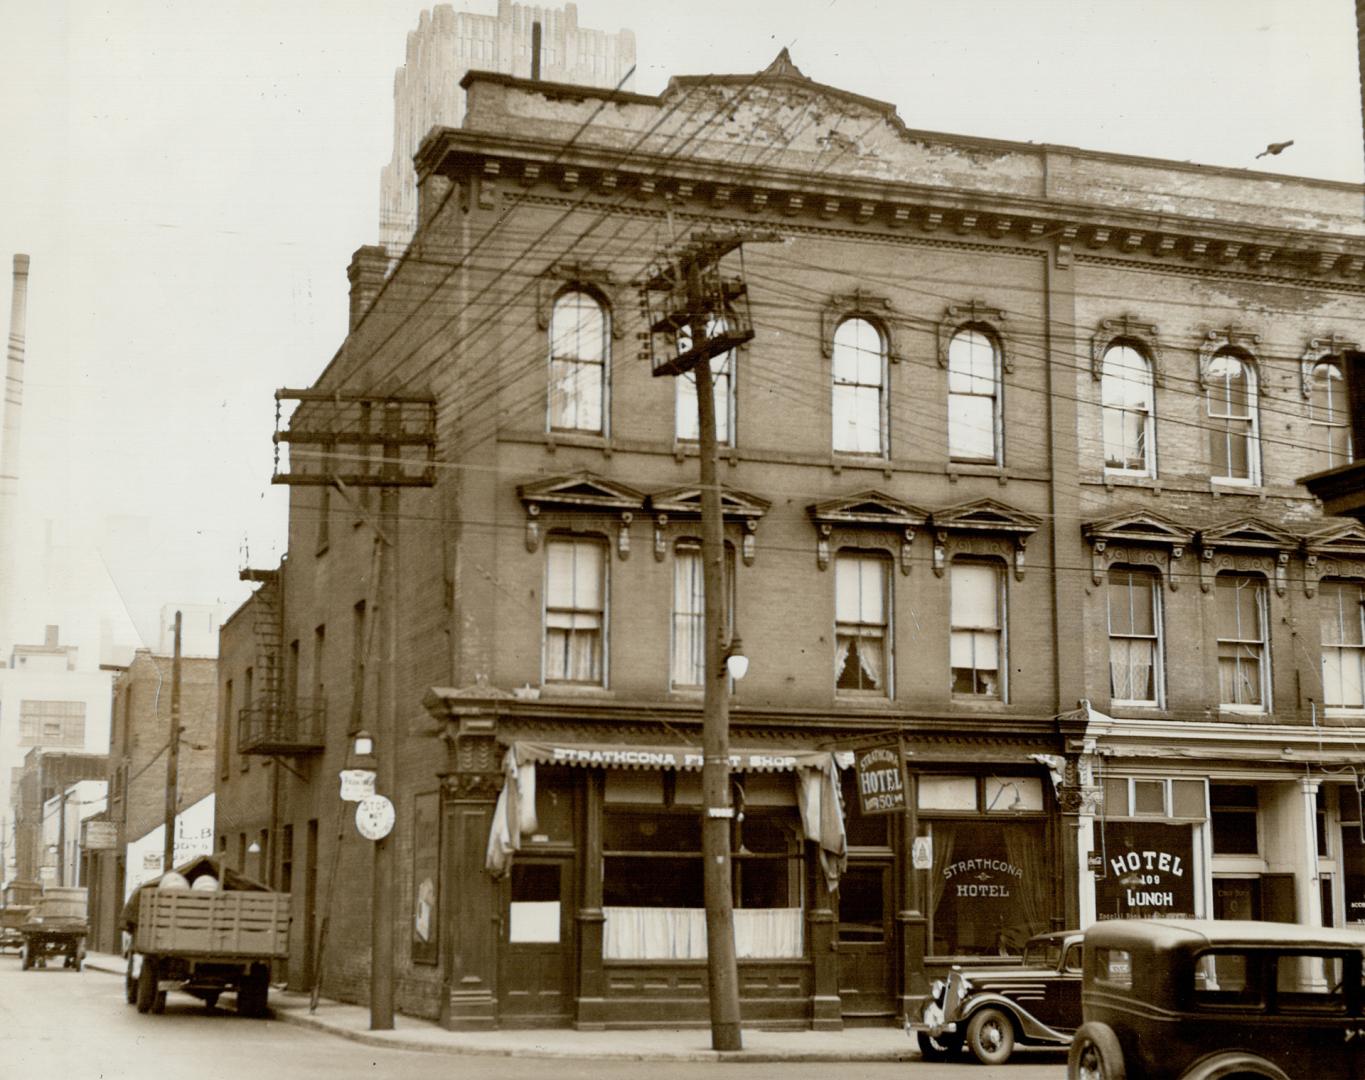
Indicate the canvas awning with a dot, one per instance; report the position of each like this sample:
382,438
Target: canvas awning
816,777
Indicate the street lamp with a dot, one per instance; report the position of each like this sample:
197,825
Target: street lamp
362,752
736,663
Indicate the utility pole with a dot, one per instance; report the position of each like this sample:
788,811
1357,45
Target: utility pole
338,422
695,313
173,757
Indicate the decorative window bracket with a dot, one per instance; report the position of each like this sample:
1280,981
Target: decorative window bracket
1318,350
595,278
858,304
1242,342
1126,329
975,314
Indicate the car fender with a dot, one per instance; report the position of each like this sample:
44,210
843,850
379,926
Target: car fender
1029,1025
1233,1063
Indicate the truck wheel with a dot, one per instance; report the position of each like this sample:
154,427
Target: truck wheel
990,1034
253,992
146,985
211,999
130,984
25,960
1095,1054
159,1004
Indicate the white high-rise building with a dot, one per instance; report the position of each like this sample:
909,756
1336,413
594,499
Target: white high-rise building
446,44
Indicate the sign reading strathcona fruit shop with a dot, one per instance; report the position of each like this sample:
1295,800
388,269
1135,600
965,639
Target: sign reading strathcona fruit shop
881,780
1148,871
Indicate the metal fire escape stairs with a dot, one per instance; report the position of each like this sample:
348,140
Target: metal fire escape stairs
276,723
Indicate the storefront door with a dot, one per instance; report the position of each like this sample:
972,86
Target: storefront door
537,955
866,901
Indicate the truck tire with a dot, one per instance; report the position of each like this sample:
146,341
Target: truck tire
146,985
25,960
159,1002
1095,1054
130,984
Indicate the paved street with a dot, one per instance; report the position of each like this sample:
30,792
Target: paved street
72,1026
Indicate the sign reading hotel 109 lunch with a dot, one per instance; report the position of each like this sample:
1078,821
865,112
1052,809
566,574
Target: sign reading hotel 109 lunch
1148,871
881,781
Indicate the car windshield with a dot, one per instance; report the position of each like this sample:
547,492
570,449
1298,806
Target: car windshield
1042,953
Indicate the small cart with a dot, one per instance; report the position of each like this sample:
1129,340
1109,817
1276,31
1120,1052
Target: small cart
17,902
56,926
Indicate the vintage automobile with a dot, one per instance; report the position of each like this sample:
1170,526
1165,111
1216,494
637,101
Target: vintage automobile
991,1010
1185,999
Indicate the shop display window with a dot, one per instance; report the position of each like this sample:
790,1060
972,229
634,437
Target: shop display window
989,886
1233,811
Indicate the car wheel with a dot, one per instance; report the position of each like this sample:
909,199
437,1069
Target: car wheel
146,985
940,1049
1095,1054
211,999
990,1034
25,961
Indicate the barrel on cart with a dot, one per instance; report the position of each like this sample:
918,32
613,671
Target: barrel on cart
56,926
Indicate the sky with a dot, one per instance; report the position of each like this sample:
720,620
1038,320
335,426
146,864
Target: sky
191,178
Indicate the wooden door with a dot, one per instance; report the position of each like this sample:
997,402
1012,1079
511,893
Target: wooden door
865,941
537,947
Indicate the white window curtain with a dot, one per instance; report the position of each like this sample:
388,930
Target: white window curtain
578,349
661,933
1126,393
689,604
859,376
574,611
973,388
975,643
861,617
1241,639
1133,635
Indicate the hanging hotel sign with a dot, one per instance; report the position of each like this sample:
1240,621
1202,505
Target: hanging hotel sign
1147,871
881,779
99,835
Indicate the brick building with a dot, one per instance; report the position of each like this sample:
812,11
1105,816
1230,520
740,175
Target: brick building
39,786
140,736
1009,475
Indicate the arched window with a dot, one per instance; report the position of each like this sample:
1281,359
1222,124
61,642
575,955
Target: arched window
578,363
973,397
1234,430
1126,404
859,388
1329,414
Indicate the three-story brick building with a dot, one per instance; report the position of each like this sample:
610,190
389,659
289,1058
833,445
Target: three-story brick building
1009,477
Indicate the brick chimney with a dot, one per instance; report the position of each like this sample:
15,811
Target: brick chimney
368,267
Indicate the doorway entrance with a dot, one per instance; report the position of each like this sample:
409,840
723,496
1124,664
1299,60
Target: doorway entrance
866,901
537,948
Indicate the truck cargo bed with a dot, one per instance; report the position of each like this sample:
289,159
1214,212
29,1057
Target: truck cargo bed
217,924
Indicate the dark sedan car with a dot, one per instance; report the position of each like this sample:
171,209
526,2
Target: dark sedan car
992,1010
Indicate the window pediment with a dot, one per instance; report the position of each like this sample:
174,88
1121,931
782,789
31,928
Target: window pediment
736,507
1126,329
1136,537
974,315
859,304
588,276
1245,543
869,509
1336,551
1315,352
580,493
1241,343
967,526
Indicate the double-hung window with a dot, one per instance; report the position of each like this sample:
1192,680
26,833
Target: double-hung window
862,623
1234,432
575,611
578,364
1243,660
686,418
859,407
688,666
1329,415
973,398
1342,608
1126,393
977,646
1134,637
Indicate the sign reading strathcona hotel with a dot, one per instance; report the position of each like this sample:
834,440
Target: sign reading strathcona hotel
881,781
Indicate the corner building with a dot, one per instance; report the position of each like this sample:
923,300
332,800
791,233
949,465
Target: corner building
1009,474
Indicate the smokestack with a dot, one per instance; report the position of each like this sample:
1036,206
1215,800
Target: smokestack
9,445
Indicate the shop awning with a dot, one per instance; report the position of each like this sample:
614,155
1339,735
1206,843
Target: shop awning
683,758
816,774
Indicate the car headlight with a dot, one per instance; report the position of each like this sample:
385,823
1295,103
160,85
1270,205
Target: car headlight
936,989
964,987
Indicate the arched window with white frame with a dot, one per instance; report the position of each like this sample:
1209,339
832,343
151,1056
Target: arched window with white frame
1128,417
859,406
973,397
1329,415
1233,419
578,363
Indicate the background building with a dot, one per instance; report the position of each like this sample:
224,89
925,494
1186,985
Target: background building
446,44
43,807
48,702
1009,478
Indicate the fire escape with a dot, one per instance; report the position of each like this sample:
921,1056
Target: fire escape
276,722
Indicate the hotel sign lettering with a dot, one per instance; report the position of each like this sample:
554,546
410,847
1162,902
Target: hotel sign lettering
1146,872
881,780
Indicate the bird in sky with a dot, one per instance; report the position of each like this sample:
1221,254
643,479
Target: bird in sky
1276,148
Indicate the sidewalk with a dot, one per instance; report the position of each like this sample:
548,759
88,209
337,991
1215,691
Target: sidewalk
653,1044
